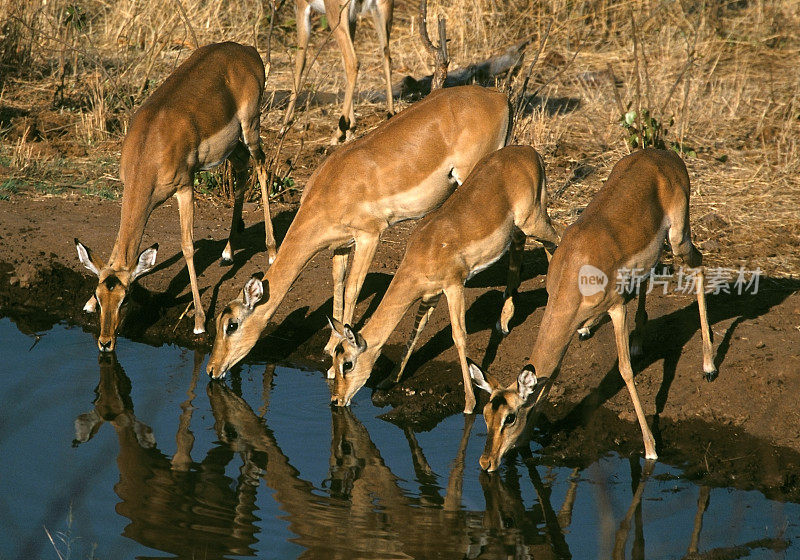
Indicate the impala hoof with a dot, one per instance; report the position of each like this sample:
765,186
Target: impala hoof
225,261
199,330
500,329
584,334
710,375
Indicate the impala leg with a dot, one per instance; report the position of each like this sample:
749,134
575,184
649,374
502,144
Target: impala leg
238,159
339,273
620,320
585,332
303,17
345,41
455,303
251,129
541,228
549,238
272,250
640,322
382,18
680,239
363,254
708,359
702,506
514,269
426,308
185,198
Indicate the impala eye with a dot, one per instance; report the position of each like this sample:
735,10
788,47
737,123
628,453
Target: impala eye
347,366
231,328
510,419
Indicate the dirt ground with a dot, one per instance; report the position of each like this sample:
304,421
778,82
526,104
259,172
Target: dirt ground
746,421
721,77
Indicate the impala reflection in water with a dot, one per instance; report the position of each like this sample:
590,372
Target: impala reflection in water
139,456
174,504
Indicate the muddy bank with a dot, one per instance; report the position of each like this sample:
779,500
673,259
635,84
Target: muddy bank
744,417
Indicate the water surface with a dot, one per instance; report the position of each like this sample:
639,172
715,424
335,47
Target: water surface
138,455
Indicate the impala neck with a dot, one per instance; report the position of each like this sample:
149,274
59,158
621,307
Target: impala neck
137,204
555,332
402,293
303,240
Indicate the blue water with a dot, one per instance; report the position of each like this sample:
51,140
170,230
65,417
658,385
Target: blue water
140,456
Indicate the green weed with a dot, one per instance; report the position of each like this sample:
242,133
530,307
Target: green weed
46,188
10,186
652,134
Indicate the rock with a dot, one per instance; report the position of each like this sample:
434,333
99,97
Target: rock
713,221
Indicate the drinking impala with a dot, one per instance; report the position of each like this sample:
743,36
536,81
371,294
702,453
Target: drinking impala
644,202
401,170
208,110
503,201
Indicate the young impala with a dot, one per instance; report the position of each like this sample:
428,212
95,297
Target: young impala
501,202
644,202
207,111
342,16
401,170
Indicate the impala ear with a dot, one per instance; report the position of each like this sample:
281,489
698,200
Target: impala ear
252,293
87,259
481,379
144,435
526,382
86,426
147,260
336,327
355,338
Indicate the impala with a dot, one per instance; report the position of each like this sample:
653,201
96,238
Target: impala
401,170
501,202
644,202
207,111
342,16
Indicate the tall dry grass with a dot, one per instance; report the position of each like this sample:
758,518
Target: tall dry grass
720,76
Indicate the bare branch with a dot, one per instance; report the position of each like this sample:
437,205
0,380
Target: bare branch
521,97
438,52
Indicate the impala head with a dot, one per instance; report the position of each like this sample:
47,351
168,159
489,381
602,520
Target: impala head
112,290
506,413
350,370
237,333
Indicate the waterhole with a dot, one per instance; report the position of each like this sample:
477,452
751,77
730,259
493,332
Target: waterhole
139,455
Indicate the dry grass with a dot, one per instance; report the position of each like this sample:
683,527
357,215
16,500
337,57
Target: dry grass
721,77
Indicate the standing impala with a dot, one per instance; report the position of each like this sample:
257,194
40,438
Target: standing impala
342,16
206,111
401,170
502,201
644,202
